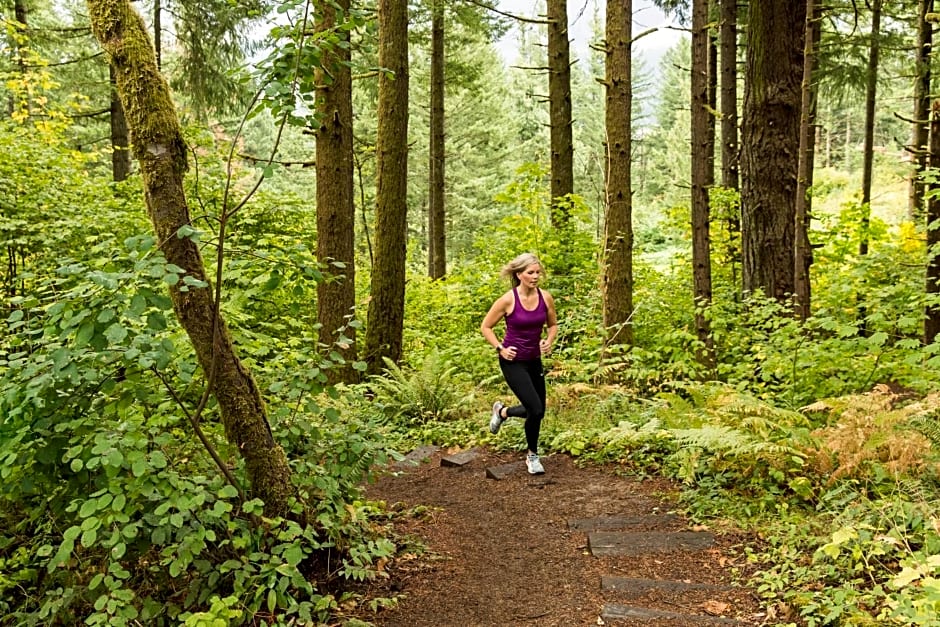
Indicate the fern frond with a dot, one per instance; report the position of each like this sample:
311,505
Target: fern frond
430,392
730,442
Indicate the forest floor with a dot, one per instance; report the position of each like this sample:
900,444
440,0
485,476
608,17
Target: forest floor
529,550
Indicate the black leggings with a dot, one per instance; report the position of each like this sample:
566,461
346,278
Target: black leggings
526,379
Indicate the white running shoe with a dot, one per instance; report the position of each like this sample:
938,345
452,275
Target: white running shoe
533,465
496,420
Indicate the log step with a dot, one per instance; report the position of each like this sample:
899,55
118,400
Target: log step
460,459
625,543
608,523
614,612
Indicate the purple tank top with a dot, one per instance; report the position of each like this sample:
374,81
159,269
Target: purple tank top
524,327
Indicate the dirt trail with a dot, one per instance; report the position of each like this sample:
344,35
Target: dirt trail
576,546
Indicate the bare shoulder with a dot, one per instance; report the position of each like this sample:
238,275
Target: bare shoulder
547,295
506,301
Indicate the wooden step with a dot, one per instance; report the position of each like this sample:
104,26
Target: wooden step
614,612
629,586
608,523
417,457
460,459
504,470
626,543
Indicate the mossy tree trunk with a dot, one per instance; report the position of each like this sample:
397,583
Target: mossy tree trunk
336,211
159,147
120,144
387,305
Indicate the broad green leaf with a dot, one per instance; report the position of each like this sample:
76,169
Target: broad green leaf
116,333
85,333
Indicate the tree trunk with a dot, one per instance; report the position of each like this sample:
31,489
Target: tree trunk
712,102
336,210
120,144
437,252
803,252
922,83
618,235
703,146
159,147
770,145
559,104
868,149
387,304
728,36
158,32
728,44
20,17
848,149
932,318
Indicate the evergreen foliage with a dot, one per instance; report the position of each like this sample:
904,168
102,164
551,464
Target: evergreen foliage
820,436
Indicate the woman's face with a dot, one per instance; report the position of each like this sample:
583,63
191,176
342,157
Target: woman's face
530,276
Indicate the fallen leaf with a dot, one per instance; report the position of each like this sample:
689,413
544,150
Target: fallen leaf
715,608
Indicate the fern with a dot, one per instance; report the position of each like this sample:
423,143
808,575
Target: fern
729,442
431,392
753,415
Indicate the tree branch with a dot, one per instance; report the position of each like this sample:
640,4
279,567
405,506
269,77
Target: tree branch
90,114
268,160
518,18
194,421
68,62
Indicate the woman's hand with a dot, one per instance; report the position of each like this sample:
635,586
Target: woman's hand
545,346
508,353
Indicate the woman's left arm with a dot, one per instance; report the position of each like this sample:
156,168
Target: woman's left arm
551,324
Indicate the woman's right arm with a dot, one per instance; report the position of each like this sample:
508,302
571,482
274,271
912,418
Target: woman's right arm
493,316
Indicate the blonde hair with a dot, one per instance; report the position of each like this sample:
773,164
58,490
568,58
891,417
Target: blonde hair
517,265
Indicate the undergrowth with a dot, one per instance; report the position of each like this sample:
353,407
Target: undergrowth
839,494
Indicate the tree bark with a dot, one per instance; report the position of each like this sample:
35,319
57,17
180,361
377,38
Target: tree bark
159,147
770,145
19,26
920,126
728,44
728,37
387,304
559,104
803,252
703,145
932,318
120,144
158,32
618,234
868,149
711,74
336,211
437,252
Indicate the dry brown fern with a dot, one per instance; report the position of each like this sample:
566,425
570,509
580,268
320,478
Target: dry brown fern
873,427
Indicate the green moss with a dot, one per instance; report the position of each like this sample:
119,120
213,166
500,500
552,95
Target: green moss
145,94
